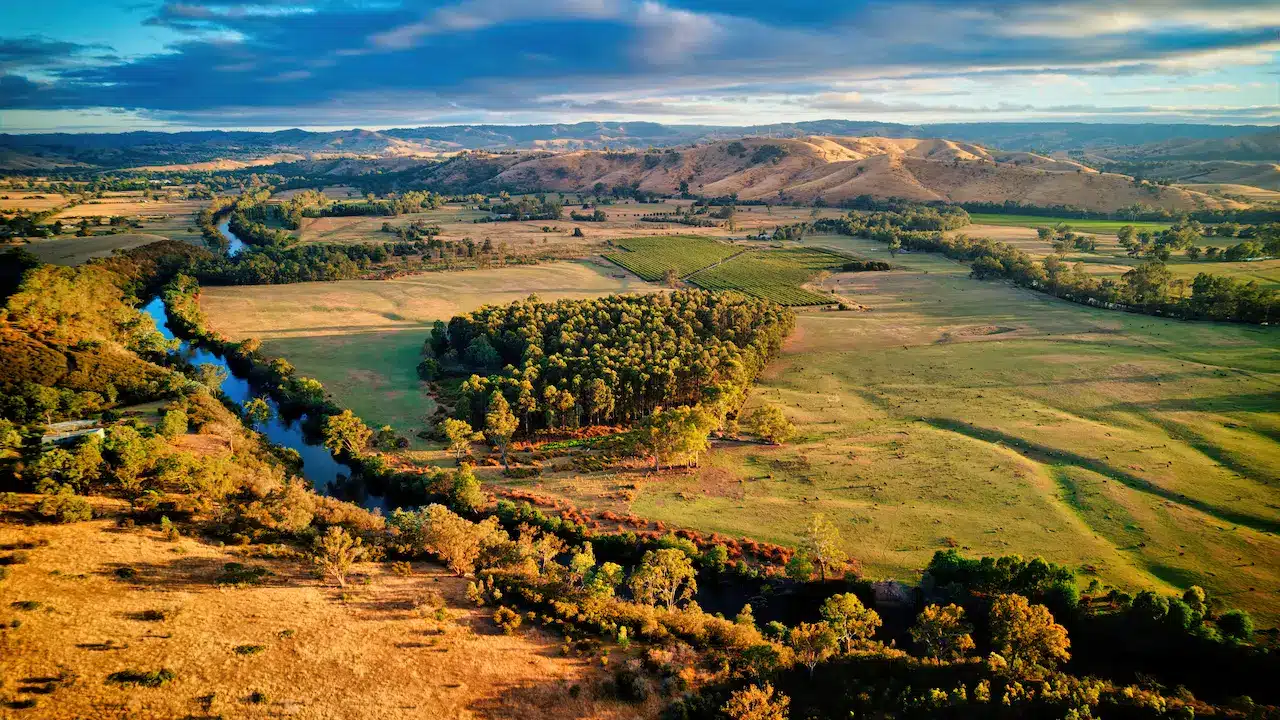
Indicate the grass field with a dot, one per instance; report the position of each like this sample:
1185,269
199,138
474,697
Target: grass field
1141,451
1088,226
775,274
312,652
525,238
1111,260
652,257
363,338
71,250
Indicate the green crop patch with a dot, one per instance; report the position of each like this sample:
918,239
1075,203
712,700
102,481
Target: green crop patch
776,274
652,257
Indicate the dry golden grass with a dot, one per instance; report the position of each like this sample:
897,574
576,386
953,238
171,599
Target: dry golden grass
371,655
528,238
11,200
131,205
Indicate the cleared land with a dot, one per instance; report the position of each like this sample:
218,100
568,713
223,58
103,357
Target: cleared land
363,338
528,238
775,274
1111,260
70,250
11,200
310,651
1088,226
651,258
1140,451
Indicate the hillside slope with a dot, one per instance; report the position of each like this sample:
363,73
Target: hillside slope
832,168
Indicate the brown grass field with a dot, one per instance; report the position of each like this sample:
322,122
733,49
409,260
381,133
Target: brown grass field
376,652
14,199
528,238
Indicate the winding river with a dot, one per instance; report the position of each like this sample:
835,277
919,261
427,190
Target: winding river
326,474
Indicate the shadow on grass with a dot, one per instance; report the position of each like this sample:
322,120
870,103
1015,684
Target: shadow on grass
1049,455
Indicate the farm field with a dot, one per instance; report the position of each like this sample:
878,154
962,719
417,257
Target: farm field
23,199
71,250
363,338
775,274
651,258
1088,226
308,649
524,238
1110,260
1140,451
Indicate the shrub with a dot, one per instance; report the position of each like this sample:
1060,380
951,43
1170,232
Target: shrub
65,507
234,573
1236,624
28,605
507,619
249,649
137,678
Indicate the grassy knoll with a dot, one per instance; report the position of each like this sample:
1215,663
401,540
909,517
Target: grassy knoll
1088,226
105,599
363,338
962,413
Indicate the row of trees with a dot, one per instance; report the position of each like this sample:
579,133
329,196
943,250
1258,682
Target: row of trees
608,360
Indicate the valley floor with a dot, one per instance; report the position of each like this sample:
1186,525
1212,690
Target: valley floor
1140,451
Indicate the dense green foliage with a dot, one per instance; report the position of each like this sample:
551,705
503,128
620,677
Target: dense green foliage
612,359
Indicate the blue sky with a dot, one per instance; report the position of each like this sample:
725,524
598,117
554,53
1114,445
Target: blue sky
70,65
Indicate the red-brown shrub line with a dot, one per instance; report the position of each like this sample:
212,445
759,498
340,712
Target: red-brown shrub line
767,554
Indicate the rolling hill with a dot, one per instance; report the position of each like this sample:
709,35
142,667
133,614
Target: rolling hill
831,168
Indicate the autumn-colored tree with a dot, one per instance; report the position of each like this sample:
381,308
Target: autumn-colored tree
500,424
345,432
258,411
336,552
756,702
821,545
941,632
664,576
675,432
849,619
1026,635
812,643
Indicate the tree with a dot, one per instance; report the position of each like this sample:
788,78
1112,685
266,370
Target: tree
459,435
851,622
172,424
347,433
670,277
1026,635
1126,235
756,702
258,411
465,494
821,545
211,376
769,422
677,432
665,576
1236,624
941,632
895,244
812,643
500,424
336,552
127,455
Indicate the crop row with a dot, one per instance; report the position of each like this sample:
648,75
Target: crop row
651,258
772,274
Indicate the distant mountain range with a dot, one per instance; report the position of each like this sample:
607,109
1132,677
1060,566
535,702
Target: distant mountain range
138,149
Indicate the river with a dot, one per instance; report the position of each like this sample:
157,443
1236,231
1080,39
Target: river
234,244
326,475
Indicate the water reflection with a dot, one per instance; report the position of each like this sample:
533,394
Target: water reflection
326,474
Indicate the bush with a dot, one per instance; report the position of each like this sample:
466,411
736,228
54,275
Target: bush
137,678
234,573
65,507
1236,624
249,649
507,619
